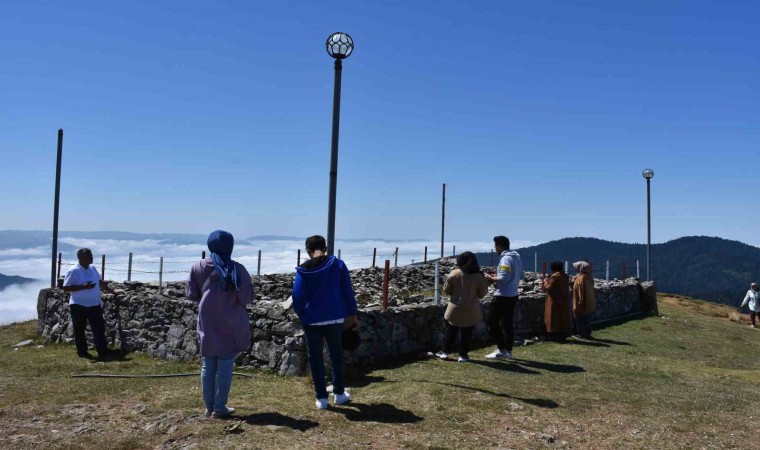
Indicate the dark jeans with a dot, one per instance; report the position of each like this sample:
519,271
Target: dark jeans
80,315
583,325
500,325
752,315
465,335
316,335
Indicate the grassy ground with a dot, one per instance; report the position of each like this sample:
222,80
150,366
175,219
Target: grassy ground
688,379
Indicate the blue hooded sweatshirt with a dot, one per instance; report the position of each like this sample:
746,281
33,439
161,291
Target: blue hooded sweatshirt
322,291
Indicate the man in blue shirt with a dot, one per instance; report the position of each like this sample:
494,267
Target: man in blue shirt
83,282
500,318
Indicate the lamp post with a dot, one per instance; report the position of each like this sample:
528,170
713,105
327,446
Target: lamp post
53,276
648,174
339,46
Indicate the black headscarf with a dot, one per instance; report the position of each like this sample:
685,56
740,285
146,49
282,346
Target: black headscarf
468,262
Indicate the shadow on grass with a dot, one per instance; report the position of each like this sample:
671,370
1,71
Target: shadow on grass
610,341
362,380
551,367
277,419
507,366
587,343
540,402
376,412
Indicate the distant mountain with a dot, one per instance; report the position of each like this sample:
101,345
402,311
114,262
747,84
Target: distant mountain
708,268
7,280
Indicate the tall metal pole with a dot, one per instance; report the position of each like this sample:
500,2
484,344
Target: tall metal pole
334,158
649,228
443,216
55,208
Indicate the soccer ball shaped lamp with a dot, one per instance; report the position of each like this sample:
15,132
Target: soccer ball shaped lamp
648,174
340,45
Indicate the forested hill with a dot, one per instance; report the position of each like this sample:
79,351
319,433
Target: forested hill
7,280
704,267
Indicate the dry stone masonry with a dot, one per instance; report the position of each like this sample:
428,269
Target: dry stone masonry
139,318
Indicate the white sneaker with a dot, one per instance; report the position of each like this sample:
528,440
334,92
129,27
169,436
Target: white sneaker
463,359
498,354
341,399
442,355
321,403
226,412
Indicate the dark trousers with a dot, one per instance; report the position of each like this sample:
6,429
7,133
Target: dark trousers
80,315
583,325
465,335
500,325
316,335
752,315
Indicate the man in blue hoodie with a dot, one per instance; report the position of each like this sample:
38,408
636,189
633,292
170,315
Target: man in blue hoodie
324,299
500,317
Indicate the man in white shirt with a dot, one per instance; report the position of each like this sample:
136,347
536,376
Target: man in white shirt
83,282
753,299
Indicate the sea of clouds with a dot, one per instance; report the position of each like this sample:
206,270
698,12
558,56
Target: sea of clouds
19,302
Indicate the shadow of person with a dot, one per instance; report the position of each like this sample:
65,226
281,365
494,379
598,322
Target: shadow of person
540,402
505,365
587,343
376,412
362,380
551,367
609,341
279,420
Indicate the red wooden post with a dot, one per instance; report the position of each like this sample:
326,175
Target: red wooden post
299,257
386,281
103,268
374,256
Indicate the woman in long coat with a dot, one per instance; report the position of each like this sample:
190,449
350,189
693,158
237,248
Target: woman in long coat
465,287
584,300
557,308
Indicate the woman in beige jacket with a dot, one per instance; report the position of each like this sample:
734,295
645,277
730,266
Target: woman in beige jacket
584,301
465,287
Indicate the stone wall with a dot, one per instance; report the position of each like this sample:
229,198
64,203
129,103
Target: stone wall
139,318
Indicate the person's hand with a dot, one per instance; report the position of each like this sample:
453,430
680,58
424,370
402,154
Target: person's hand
88,285
352,323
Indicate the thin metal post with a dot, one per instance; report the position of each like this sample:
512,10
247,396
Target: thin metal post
454,251
649,228
395,258
53,280
386,281
535,261
258,266
437,281
334,158
338,253
203,254
58,275
607,273
103,268
426,253
638,272
566,266
298,260
161,275
443,216
129,268
374,256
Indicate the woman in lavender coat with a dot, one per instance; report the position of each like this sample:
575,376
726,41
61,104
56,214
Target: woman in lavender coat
224,288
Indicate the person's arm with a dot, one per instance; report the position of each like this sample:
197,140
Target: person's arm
348,296
71,283
192,290
747,298
299,295
448,285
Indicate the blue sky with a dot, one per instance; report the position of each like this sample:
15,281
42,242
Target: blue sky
539,116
